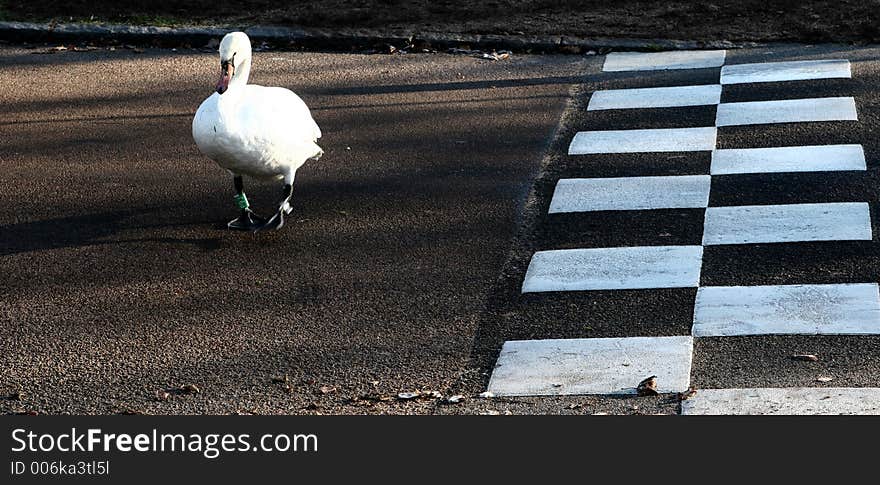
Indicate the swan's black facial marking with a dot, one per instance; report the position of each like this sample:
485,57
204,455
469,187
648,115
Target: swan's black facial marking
227,70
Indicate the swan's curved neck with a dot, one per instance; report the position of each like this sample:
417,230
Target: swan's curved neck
241,75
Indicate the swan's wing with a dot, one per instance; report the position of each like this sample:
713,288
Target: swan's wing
289,112
277,124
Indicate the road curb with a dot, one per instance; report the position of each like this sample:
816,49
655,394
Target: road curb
339,40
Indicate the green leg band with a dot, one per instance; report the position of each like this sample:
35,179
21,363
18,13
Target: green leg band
241,201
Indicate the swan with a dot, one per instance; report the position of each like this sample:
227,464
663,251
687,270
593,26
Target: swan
261,132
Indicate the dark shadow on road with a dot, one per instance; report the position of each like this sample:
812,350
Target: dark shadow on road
81,231
99,119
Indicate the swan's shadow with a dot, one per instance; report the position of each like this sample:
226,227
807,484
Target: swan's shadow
87,230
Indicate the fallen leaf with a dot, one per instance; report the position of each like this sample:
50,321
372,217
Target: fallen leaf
648,387
493,56
162,395
486,395
454,399
824,379
190,389
327,389
684,396
805,357
409,395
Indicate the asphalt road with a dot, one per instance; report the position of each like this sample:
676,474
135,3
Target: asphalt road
121,281
402,270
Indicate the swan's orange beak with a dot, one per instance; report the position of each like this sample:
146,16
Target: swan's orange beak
226,72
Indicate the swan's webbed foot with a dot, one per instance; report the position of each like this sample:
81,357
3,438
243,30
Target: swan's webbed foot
277,220
247,221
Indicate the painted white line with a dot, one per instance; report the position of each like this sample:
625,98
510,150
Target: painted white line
786,111
658,61
591,366
842,221
630,193
826,158
614,269
655,97
645,141
785,71
845,309
784,401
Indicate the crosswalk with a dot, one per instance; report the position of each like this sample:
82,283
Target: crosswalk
610,366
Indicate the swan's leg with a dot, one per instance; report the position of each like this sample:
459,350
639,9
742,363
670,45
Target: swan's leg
277,220
247,220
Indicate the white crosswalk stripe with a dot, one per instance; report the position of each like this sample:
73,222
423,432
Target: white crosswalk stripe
784,401
655,97
631,193
614,269
643,141
657,61
827,158
841,221
786,111
785,71
591,366
793,309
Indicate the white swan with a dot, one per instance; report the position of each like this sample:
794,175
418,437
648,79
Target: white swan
261,132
